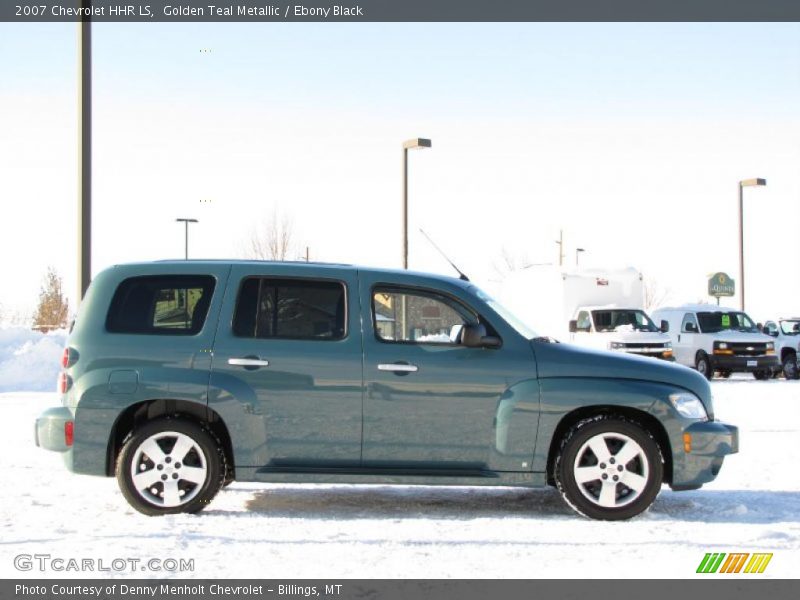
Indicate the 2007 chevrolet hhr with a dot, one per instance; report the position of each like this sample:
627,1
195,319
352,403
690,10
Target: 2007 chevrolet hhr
181,376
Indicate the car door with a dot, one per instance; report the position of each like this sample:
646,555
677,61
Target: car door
685,347
432,403
289,353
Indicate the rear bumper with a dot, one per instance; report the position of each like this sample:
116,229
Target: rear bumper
744,363
711,442
50,428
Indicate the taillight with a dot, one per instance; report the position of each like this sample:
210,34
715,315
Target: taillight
69,433
63,382
69,358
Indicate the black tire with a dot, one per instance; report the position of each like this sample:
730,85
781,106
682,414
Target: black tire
586,497
761,375
703,366
205,454
790,366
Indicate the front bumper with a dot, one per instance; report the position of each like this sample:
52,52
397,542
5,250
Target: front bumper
650,352
746,364
50,429
711,442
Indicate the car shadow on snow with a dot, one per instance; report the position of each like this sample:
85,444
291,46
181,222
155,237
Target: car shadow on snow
467,503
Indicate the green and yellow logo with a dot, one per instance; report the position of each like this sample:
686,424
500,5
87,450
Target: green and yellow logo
735,562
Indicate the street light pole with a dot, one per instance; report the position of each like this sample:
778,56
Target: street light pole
408,145
743,184
577,254
186,234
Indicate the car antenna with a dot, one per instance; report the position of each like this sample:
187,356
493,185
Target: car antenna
439,250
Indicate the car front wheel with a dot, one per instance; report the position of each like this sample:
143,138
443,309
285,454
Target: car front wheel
609,468
790,369
703,366
170,466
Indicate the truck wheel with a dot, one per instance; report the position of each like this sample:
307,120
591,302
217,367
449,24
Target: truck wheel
703,366
761,375
609,468
790,370
170,466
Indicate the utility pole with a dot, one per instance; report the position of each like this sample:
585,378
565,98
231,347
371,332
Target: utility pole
560,242
84,157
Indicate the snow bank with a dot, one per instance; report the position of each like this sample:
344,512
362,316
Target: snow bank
29,360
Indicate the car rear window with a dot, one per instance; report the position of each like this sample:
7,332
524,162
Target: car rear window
161,305
290,309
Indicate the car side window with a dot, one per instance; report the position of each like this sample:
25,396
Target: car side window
406,316
689,324
300,309
584,321
161,305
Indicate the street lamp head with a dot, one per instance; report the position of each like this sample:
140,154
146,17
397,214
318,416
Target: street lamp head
186,220
753,182
416,143
580,250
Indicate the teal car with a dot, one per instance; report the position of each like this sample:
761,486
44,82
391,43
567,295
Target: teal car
182,376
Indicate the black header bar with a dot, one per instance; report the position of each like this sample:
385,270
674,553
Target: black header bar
365,11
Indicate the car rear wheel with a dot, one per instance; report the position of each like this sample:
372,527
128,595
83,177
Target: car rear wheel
609,468
761,375
170,466
703,366
790,368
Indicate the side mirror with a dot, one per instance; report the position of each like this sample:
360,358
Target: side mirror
664,326
573,326
474,336
761,327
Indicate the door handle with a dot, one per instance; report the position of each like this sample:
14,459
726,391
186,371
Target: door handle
398,368
248,362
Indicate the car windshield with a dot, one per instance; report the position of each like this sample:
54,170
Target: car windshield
711,322
504,313
791,327
622,320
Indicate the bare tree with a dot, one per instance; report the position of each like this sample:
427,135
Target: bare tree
272,239
654,294
53,307
509,262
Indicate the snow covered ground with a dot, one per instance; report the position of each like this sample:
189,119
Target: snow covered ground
29,360
326,531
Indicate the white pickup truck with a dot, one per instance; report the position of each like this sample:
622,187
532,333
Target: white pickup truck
598,308
786,333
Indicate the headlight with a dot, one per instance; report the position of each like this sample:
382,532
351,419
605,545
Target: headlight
688,405
722,346
770,345
668,345
615,345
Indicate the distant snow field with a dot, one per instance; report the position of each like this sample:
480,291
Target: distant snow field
29,360
349,531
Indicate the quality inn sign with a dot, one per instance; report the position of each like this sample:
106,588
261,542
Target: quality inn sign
720,285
